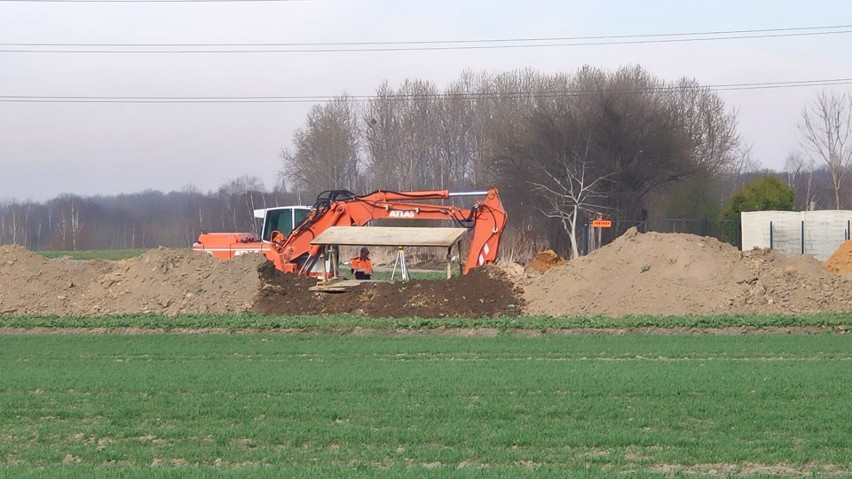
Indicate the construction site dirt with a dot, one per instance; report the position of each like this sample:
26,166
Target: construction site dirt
637,274
482,292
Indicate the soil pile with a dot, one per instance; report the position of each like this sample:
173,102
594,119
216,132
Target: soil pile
651,273
171,282
840,262
678,274
161,280
544,261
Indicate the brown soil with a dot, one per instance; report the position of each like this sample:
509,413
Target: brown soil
181,281
678,274
840,262
544,261
161,280
652,273
483,292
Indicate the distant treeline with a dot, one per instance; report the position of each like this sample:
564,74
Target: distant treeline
152,218
140,220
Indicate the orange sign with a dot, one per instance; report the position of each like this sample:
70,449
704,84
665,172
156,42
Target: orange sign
601,224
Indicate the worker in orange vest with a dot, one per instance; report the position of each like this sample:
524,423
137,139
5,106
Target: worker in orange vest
361,265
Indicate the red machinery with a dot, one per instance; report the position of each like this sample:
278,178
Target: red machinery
288,231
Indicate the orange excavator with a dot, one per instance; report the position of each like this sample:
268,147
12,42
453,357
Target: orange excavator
288,232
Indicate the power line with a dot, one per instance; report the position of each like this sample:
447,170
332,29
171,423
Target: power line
471,96
432,42
152,1
433,46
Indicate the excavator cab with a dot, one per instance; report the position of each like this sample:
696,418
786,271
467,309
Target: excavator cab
281,218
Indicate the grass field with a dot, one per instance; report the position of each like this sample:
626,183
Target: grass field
322,405
824,322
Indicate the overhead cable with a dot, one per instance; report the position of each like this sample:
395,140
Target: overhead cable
152,1
436,42
401,46
403,97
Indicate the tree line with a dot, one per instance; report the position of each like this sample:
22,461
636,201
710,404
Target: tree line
563,148
141,220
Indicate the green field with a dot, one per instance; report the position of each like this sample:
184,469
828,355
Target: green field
325,405
824,322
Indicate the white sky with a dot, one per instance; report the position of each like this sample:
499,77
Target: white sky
109,148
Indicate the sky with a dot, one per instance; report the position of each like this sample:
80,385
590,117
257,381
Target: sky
89,147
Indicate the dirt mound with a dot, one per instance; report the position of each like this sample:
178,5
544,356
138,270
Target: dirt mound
678,274
171,282
651,273
840,262
484,292
544,261
161,280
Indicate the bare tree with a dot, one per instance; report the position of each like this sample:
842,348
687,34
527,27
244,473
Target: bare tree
569,193
63,227
15,223
454,158
826,128
241,197
711,128
76,223
383,139
639,133
652,134
326,151
402,136
503,105
799,172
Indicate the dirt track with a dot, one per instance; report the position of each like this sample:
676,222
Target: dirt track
653,273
